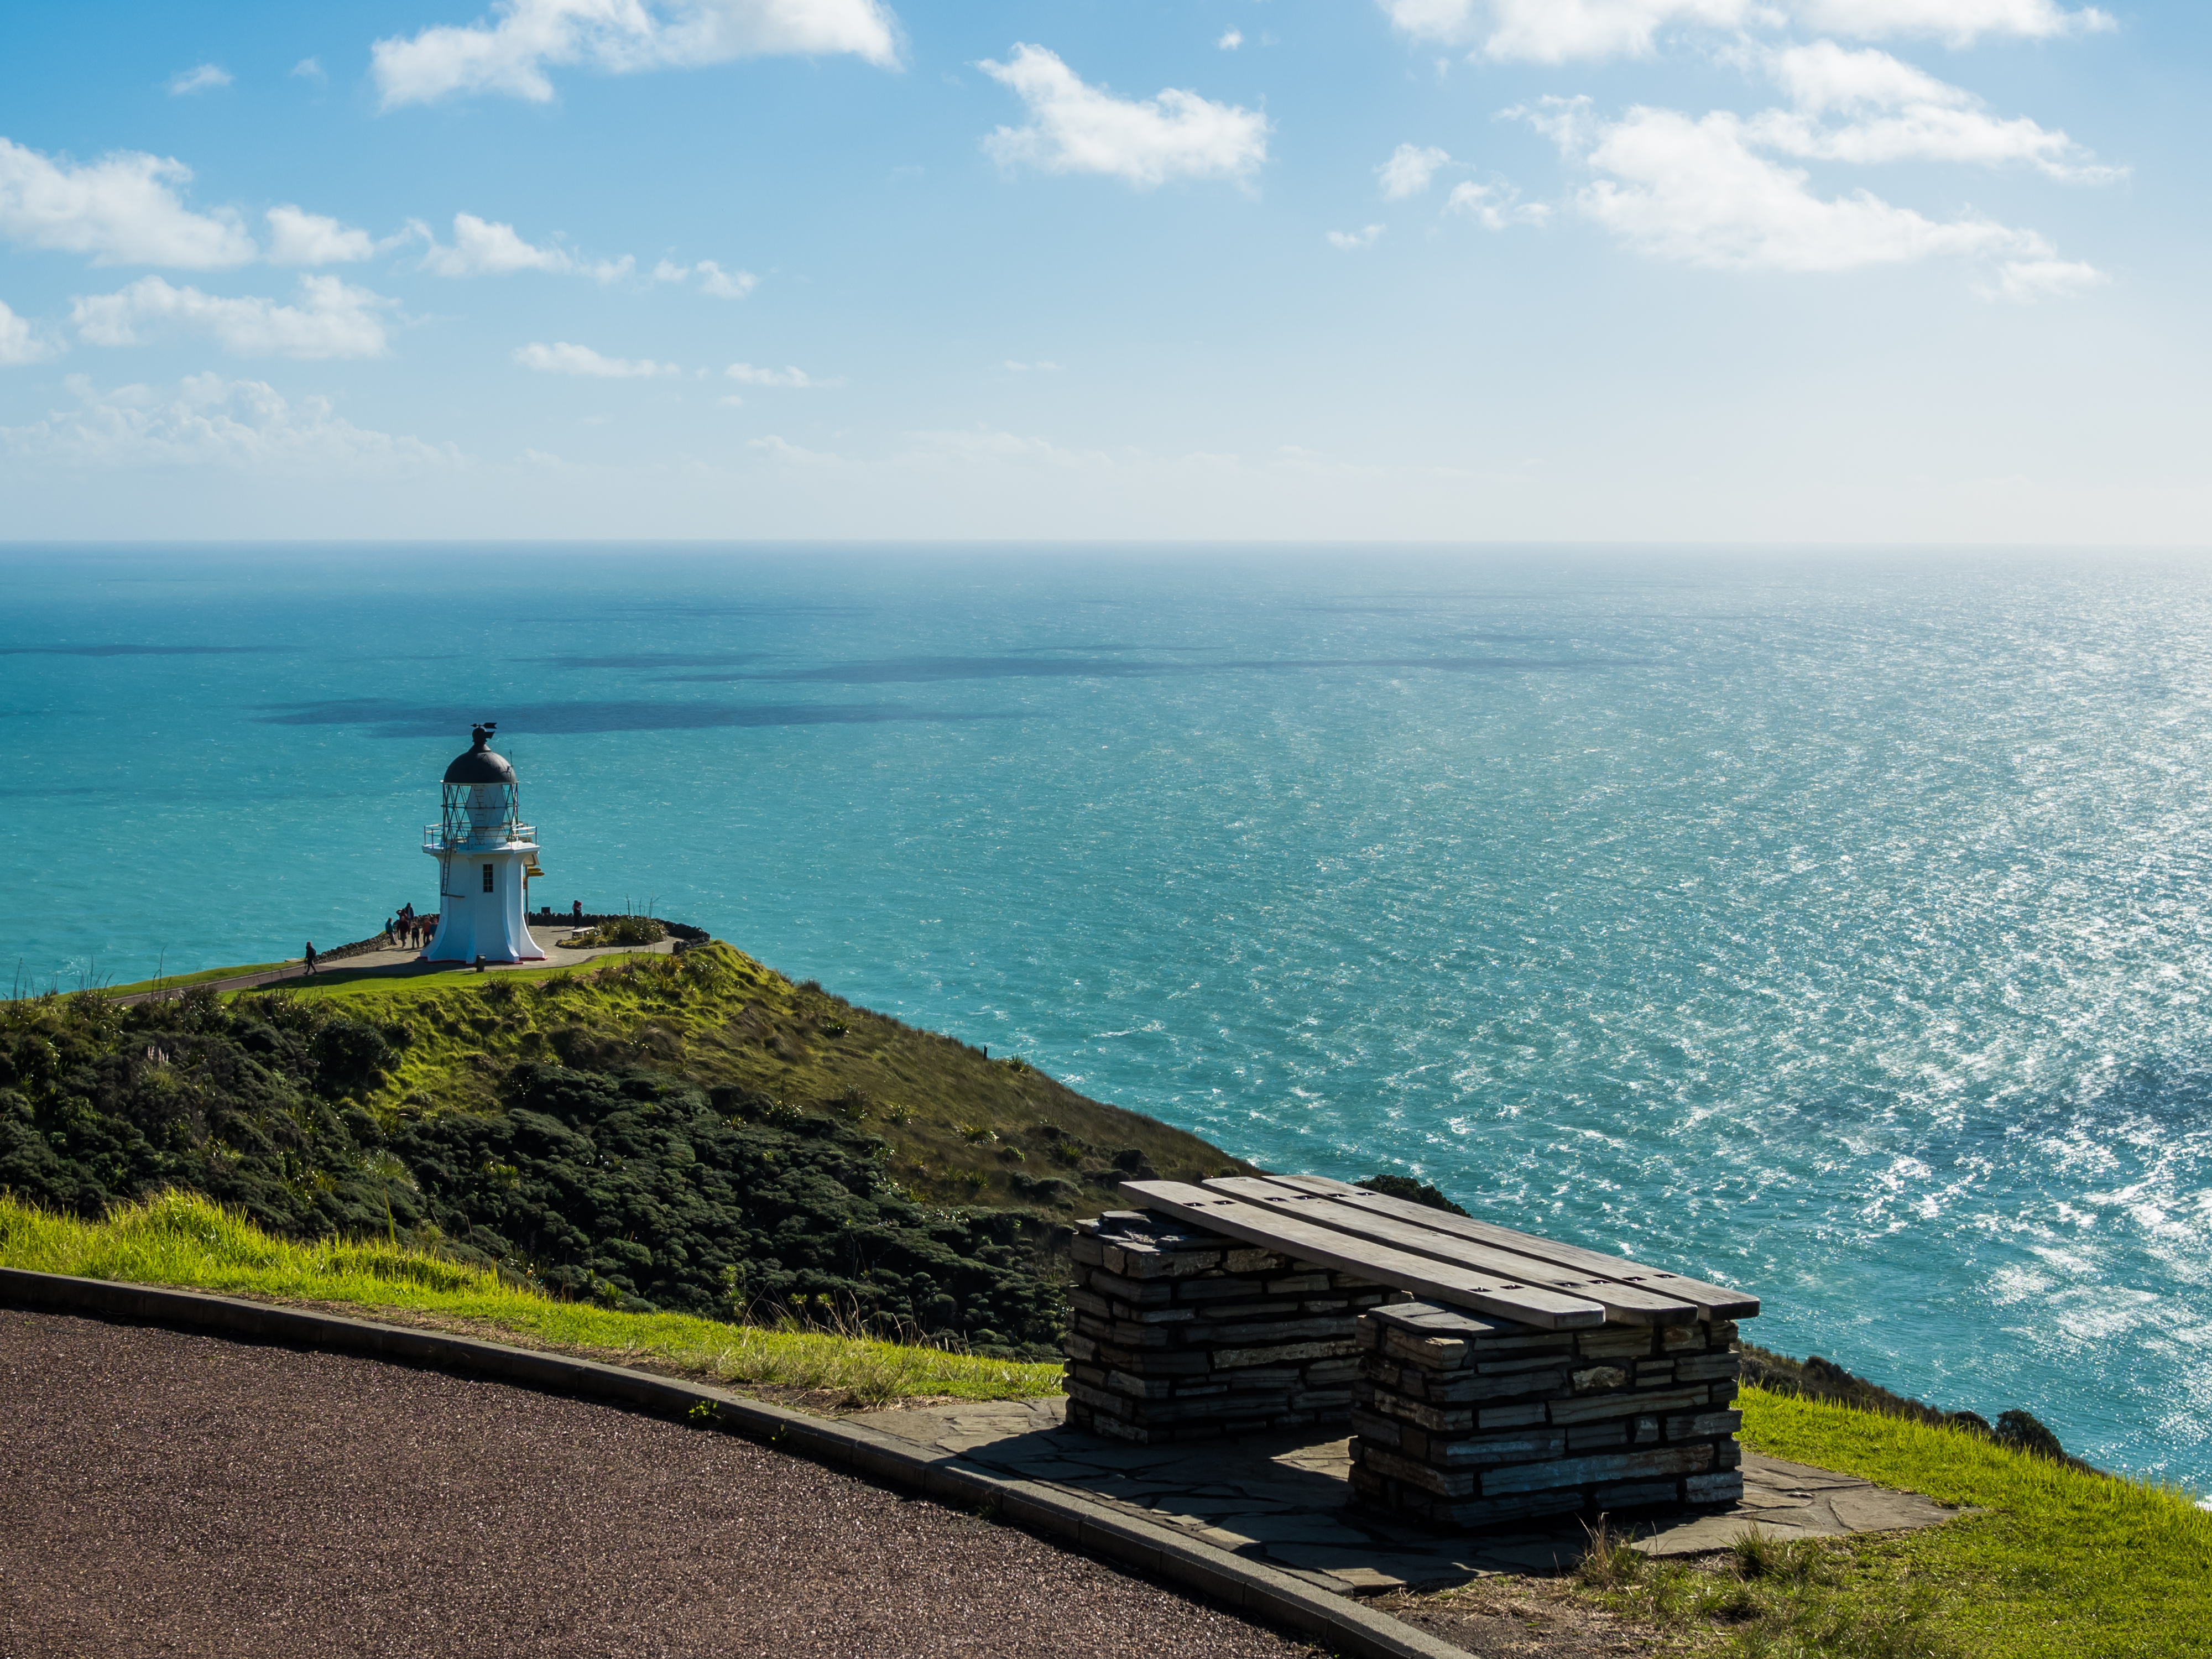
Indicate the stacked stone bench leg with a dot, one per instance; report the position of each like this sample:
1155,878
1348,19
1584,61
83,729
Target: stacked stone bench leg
1179,1334
1469,1421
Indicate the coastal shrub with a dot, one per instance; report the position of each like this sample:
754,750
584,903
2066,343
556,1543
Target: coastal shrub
724,1205
619,930
626,1188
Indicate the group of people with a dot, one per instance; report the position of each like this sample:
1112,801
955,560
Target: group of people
407,931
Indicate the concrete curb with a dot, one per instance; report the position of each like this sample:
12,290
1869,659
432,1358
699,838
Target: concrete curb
1264,1593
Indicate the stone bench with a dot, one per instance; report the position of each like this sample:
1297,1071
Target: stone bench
1489,1374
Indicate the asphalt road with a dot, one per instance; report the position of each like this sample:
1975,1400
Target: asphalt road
174,1494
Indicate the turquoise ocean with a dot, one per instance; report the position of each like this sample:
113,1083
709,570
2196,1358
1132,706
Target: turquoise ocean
1832,926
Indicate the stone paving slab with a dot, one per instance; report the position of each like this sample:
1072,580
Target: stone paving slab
1284,1499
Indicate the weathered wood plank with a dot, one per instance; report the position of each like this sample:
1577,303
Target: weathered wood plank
1440,1281
1626,1304
1711,1301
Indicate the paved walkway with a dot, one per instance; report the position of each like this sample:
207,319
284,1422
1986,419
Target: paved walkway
169,1494
407,964
1284,1498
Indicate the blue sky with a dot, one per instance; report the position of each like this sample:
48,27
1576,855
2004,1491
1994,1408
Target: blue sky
1788,270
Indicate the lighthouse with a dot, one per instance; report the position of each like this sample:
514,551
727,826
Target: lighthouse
485,858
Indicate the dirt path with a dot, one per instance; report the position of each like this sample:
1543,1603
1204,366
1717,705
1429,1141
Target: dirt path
164,1493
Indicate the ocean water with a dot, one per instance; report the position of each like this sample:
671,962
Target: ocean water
1835,927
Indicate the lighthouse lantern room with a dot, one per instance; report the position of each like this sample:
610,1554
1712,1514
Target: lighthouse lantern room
486,856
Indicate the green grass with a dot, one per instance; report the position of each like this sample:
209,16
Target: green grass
2058,1562
964,1128
177,981
2063,1564
181,1239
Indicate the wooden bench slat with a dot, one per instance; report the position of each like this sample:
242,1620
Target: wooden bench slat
1438,1281
1711,1301
1627,1304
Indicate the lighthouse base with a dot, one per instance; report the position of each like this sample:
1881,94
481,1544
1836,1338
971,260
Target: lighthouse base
484,918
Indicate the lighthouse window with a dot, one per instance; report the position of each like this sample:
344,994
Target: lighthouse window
488,870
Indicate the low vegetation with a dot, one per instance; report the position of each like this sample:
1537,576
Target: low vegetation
963,1127
179,1238
618,930
691,1133
2058,1563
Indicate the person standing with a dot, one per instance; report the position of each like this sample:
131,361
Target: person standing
311,956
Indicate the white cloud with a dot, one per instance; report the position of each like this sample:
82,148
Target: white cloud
746,375
2026,280
202,77
1032,369
20,343
1409,169
297,237
713,279
1230,40
310,69
726,284
561,358
1556,31
1901,113
1074,128
1553,31
619,37
121,209
1351,241
1957,21
1697,192
1496,206
730,401
789,454
332,319
244,424
485,248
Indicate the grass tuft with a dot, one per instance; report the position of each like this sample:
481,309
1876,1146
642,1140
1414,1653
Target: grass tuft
184,1239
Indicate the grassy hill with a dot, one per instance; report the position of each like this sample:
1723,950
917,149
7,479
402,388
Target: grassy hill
692,1132
963,1127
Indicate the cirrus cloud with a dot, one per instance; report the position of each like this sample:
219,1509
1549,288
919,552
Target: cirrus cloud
563,358
1557,31
202,77
1077,128
246,425
332,319
511,55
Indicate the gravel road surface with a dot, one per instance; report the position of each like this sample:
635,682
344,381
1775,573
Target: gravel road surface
165,1493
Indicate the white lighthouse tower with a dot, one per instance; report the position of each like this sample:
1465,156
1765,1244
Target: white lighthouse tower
485,858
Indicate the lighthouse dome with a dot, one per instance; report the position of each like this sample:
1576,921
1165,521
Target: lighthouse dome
480,764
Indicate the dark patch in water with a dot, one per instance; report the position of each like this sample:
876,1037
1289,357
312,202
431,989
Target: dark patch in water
1043,650
390,720
924,669
139,650
656,660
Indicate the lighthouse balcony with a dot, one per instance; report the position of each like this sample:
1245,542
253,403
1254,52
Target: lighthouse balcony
497,836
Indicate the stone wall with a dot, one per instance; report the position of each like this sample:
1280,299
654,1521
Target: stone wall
1179,1334
1468,1421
